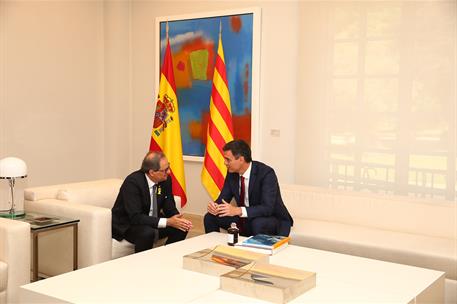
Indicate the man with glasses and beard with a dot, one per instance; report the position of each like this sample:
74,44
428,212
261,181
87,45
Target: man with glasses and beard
145,209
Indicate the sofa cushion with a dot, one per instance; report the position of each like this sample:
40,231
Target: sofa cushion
405,248
100,193
40,193
124,247
121,249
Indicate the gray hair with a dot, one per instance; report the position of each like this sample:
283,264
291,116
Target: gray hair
151,161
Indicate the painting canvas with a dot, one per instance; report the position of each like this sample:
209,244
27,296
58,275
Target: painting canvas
194,43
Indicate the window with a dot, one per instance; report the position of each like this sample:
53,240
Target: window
390,115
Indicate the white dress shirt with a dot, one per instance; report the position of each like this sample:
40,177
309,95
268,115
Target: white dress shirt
246,175
162,221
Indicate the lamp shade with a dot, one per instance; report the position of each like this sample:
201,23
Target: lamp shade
12,167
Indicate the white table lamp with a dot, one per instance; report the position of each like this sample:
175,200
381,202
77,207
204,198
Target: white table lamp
12,168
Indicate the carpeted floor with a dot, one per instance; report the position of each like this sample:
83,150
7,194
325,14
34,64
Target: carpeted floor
197,222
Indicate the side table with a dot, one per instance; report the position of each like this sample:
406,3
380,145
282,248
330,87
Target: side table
40,223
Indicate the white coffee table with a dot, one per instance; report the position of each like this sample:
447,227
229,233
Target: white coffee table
157,276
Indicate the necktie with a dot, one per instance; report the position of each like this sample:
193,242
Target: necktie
154,200
242,191
242,222
155,211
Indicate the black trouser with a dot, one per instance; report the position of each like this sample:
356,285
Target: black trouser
142,236
266,225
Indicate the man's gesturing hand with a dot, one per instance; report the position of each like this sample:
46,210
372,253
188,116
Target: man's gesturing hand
178,222
226,209
212,208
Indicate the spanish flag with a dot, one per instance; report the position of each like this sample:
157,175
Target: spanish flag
166,132
220,128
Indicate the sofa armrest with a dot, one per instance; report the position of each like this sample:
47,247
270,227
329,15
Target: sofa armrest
15,252
94,228
3,281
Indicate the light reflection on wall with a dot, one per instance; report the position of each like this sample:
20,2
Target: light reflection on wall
390,114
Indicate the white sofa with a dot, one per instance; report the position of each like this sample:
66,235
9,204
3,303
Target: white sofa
391,228
91,203
14,258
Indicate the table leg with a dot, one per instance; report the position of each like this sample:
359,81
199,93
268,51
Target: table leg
35,257
75,246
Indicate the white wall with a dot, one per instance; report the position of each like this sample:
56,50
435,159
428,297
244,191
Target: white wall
52,88
312,93
117,90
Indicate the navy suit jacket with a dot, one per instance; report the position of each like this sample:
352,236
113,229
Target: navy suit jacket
264,194
133,204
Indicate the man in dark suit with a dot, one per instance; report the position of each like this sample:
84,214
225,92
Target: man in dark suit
255,187
145,209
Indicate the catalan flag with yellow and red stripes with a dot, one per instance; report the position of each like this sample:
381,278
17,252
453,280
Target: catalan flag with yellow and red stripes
166,132
220,128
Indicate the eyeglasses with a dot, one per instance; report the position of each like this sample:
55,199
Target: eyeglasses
164,170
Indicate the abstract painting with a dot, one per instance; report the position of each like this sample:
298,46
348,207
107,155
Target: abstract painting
194,43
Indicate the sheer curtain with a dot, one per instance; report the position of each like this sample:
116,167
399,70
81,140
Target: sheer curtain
377,97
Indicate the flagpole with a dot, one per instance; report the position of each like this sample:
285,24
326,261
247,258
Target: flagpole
220,28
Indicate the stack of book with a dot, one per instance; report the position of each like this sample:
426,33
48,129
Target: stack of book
263,243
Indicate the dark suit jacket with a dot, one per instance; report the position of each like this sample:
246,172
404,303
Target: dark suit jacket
264,194
133,204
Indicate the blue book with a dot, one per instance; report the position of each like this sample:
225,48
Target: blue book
265,241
